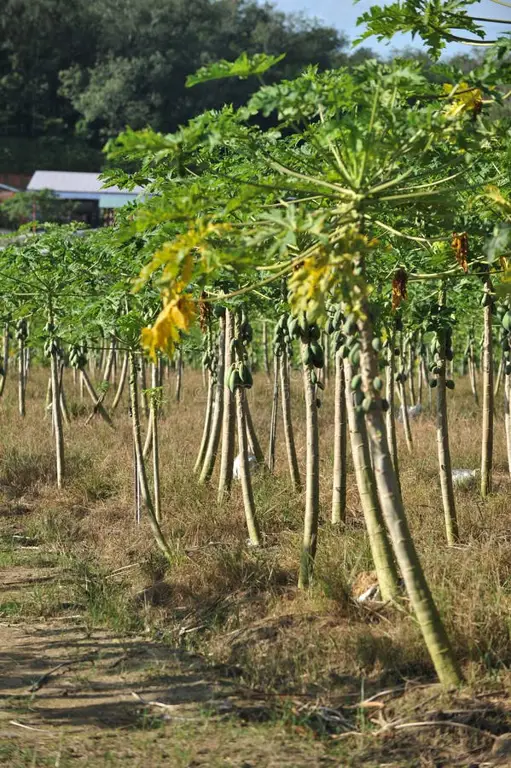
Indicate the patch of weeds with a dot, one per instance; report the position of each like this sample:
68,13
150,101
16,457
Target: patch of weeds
149,721
10,608
22,470
106,602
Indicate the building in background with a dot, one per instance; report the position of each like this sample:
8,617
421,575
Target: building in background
95,204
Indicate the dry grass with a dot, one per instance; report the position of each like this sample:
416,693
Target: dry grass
239,605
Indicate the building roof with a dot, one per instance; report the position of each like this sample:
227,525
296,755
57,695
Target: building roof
76,184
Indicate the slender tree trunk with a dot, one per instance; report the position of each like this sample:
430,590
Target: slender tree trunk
62,396
391,413
289,437
109,362
265,349
340,458
274,413
487,442
5,359
421,599
404,407
507,418
143,387
154,415
411,366
253,442
96,399
208,418
326,367
444,453
57,417
499,377
122,382
218,409
381,549
21,377
148,444
140,463
227,454
246,483
310,528
472,372
179,374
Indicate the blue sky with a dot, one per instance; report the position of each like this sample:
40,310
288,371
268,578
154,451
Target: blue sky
343,14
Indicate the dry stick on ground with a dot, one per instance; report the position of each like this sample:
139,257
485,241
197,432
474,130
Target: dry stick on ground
5,359
487,441
340,457
227,454
122,382
274,412
289,437
421,599
379,543
310,525
139,459
96,399
218,409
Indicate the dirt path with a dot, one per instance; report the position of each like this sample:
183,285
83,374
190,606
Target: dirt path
71,695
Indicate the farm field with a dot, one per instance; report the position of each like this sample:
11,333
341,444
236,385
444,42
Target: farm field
252,671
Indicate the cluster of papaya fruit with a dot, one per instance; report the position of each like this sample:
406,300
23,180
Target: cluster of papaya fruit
78,355
441,347
239,374
21,330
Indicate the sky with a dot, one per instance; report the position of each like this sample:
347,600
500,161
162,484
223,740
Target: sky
343,15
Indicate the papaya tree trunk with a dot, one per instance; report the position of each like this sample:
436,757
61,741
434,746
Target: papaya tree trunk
246,482
274,413
285,389
472,372
266,358
499,377
391,413
381,549
340,469
507,418
62,395
139,460
143,387
97,400
444,453
411,371
404,407
487,442
179,374
5,359
57,416
421,599
208,418
253,441
218,409
227,454
155,383
21,377
122,382
109,362
310,528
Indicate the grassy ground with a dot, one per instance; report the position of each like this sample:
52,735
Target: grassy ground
299,670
